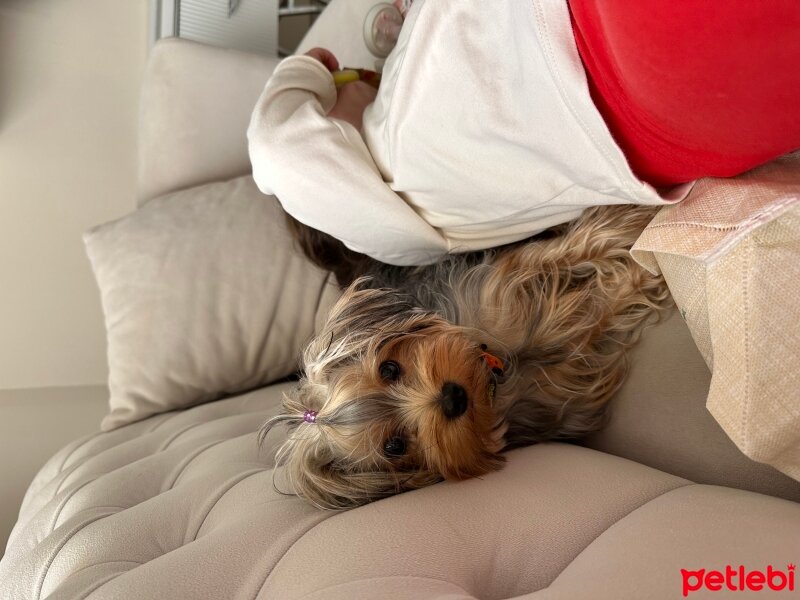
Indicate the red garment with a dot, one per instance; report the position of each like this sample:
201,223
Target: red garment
690,88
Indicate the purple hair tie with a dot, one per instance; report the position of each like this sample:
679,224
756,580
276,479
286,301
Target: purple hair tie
310,416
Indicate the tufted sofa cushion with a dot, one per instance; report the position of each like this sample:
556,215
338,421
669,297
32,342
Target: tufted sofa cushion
182,505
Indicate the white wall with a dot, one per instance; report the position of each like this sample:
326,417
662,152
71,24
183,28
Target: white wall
70,73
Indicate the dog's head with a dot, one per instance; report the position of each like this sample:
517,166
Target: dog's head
393,398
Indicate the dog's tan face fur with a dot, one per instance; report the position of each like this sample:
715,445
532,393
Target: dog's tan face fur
403,399
427,379
396,394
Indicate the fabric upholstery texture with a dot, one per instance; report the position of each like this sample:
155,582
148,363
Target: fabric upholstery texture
730,254
184,505
204,295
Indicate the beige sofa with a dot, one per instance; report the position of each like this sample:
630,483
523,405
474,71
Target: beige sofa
182,504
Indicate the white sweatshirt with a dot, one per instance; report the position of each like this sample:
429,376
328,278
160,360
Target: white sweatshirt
483,133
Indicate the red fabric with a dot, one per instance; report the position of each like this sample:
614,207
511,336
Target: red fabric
694,88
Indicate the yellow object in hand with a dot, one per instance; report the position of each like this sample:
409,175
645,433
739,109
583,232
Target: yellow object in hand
346,76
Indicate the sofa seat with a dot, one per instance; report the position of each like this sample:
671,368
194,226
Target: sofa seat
184,505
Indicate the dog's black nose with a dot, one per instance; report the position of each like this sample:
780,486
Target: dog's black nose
454,400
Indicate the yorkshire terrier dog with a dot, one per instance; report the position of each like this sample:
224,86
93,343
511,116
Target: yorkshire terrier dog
431,373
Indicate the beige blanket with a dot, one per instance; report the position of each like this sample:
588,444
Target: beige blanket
730,254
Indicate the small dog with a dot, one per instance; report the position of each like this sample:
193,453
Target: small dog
429,374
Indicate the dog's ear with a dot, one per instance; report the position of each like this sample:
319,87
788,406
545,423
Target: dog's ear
364,305
362,321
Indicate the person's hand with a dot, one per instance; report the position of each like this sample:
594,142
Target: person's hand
351,101
352,98
326,57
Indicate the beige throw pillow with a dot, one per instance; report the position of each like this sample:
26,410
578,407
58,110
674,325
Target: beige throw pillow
205,294
730,254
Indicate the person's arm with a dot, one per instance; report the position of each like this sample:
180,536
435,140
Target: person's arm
323,174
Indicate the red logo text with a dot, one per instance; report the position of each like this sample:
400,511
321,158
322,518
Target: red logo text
738,579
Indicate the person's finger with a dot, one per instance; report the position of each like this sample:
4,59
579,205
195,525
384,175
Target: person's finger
358,89
330,61
326,57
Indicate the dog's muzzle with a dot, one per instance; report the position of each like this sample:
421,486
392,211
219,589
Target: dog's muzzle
454,400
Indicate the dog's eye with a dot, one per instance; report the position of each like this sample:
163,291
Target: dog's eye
389,370
394,447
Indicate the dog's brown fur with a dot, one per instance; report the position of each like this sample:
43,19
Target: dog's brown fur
561,311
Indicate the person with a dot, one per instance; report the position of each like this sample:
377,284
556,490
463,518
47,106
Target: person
497,120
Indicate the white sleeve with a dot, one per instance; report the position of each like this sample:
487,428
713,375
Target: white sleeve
323,174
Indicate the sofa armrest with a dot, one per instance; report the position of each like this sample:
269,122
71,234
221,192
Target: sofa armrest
36,423
659,418
195,106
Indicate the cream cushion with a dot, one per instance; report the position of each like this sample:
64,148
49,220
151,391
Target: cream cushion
730,254
195,105
204,295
